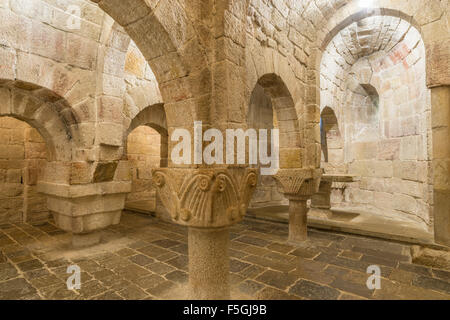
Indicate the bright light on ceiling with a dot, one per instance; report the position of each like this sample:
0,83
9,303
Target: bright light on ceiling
366,3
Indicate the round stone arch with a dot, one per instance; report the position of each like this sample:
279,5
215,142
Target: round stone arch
153,116
48,114
339,20
284,107
423,17
145,199
163,33
329,129
43,110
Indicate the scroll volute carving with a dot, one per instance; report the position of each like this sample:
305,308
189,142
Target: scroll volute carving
205,197
298,183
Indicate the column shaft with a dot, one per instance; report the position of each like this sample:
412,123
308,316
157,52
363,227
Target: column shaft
209,265
298,212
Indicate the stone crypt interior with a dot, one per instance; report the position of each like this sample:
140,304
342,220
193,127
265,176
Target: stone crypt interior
91,93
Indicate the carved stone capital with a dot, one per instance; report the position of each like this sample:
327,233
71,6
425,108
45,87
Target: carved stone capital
298,184
205,197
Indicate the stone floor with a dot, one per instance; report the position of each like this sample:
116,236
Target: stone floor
144,258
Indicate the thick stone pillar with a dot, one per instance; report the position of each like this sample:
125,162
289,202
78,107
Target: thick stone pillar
440,99
207,201
84,210
209,267
438,80
298,185
298,215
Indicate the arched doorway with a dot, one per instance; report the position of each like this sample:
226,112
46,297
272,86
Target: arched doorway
272,107
23,154
147,149
377,88
261,115
331,141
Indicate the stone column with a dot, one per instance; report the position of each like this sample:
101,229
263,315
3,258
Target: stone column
207,201
298,185
84,210
209,267
438,80
298,215
440,97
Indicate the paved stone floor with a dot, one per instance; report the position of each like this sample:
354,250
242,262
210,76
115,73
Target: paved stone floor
145,258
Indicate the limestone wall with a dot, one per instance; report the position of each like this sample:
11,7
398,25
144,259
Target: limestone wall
144,145
382,105
262,116
22,155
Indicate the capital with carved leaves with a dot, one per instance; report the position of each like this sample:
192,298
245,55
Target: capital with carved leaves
298,185
205,198
207,201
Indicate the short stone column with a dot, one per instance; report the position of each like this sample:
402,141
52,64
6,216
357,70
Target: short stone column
208,202
85,210
298,186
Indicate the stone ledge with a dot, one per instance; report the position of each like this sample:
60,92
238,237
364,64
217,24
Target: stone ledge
80,191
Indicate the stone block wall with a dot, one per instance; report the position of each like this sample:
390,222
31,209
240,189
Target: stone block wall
383,109
144,147
262,116
22,156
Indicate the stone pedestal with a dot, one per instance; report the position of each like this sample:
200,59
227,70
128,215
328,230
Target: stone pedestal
322,199
209,265
298,185
298,215
84,210
207,201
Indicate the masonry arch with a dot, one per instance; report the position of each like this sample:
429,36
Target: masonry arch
154,117
45,111
284,110
146,148
165,36
372,74
271,106
331,141
46,126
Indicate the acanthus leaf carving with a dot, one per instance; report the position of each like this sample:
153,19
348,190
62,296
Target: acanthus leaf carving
205,197
298,183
